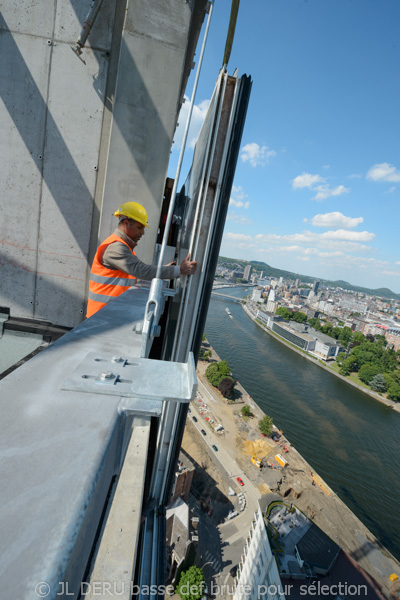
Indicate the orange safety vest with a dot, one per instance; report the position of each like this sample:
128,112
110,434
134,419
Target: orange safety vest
104,283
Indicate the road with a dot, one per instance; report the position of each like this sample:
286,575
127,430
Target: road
221,546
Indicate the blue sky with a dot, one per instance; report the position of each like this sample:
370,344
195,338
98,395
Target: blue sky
317,184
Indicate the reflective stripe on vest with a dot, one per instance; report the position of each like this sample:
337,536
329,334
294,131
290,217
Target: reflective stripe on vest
110,280
100,297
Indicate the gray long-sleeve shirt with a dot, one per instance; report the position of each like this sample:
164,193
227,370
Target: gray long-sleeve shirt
118,256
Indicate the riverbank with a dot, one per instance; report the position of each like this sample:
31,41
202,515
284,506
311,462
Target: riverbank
389,403
298,482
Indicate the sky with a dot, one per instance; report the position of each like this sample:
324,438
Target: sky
317,183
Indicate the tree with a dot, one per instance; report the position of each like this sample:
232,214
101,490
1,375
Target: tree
246,412
299,317
314,323
284,312
394,392
265,425
204,337
389,360
213,375
340,357
368,372
226,386
378,383
381,340
358,337
211,369
223,367
345,335
348,365
216,372
191,584
327,328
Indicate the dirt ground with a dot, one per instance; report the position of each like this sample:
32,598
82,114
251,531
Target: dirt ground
297,482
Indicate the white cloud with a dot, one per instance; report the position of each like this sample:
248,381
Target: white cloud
256,155
384,172
335,219
335,253
353,236
198,115
306,180
238,237
398,262
238,193
339,239
238,219
354,176
324,191
395,273
239,203
392,189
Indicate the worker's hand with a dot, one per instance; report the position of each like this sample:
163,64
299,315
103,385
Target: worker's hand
187,266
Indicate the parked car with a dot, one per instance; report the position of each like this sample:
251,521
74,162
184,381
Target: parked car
195,419
215,447
203,432
239,480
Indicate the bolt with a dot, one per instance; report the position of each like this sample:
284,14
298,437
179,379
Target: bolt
106,375
49,42
139,328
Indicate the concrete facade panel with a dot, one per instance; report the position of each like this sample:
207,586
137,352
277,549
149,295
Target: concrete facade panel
71,150
18,276
23,91
70,169
59,295
162,20
25,16
70,17
152,57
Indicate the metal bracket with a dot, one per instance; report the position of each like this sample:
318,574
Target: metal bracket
139,378
154,309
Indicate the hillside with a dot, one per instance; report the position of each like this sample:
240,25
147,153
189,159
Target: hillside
273,272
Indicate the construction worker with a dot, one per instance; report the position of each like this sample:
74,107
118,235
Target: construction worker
116,267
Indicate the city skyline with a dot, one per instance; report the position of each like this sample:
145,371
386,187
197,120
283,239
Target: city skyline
293,276
316,189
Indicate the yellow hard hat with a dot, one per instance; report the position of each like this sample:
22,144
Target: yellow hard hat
133,210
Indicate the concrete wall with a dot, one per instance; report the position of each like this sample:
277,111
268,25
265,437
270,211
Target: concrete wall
80,136
51,126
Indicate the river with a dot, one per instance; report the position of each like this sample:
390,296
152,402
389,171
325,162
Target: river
349,438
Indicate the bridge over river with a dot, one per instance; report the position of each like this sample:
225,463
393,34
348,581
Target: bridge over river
225,296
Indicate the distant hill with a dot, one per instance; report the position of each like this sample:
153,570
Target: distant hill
273,272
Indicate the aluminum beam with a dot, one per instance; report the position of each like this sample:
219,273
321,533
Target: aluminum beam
59,452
